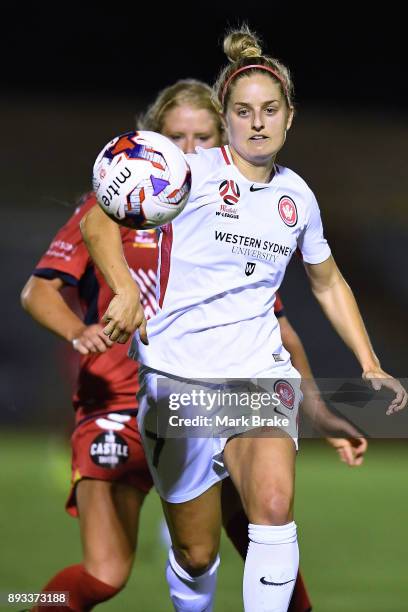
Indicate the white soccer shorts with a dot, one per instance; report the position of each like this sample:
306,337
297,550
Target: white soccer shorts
186,460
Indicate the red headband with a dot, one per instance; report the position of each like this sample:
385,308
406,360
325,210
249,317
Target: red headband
260,67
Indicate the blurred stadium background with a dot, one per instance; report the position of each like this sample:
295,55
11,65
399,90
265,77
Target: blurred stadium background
68,90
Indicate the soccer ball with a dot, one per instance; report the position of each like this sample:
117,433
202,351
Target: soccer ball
141,180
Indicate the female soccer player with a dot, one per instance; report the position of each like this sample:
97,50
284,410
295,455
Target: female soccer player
183,112
110,486
215,319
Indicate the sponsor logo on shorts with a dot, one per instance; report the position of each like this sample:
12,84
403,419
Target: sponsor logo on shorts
109,450
286,393
288,211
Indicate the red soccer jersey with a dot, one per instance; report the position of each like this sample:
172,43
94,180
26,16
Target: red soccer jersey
106,381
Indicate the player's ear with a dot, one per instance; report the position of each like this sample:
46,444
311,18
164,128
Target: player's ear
289,120
223,130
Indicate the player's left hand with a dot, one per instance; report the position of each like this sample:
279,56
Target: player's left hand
350,450
350,444
91,339
378,378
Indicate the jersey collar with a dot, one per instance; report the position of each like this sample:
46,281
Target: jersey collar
227,157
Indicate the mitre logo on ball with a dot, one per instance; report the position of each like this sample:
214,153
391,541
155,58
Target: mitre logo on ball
141,180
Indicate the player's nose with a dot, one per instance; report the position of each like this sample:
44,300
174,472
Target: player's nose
190,145
257,122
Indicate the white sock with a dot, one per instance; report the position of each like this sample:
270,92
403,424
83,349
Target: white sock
191,593
271,567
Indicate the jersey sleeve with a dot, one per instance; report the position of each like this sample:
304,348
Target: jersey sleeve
311,242
67,256
278,307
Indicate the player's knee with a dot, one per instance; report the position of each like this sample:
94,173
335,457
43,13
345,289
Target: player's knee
115,573
273,509
196,559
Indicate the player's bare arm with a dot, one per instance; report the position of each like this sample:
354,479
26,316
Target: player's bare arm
349,443
339,305
125,313
42,299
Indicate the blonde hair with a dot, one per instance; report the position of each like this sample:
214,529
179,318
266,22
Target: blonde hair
244,51
187,91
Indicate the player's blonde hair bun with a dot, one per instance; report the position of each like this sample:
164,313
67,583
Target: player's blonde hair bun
244,50
242,43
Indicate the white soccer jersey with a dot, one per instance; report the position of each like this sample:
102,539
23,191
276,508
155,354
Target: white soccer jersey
221,262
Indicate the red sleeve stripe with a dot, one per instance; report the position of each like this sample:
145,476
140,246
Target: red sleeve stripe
165,256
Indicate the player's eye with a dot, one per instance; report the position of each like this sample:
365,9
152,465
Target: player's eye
203,138
243,112
270,110
175,137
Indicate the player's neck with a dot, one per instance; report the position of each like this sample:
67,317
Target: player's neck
262,173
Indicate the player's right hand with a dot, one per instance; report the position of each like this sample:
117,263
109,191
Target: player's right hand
91,340
124,315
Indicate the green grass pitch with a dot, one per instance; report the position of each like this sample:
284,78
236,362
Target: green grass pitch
351,523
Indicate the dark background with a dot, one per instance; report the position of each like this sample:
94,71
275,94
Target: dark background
340,56
72,78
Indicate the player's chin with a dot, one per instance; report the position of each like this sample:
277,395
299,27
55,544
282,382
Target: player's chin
260,152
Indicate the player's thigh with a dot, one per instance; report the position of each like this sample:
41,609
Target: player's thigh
196,524
109,515
263,471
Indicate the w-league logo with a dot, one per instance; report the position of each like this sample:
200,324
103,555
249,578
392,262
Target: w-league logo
229,191
287,211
